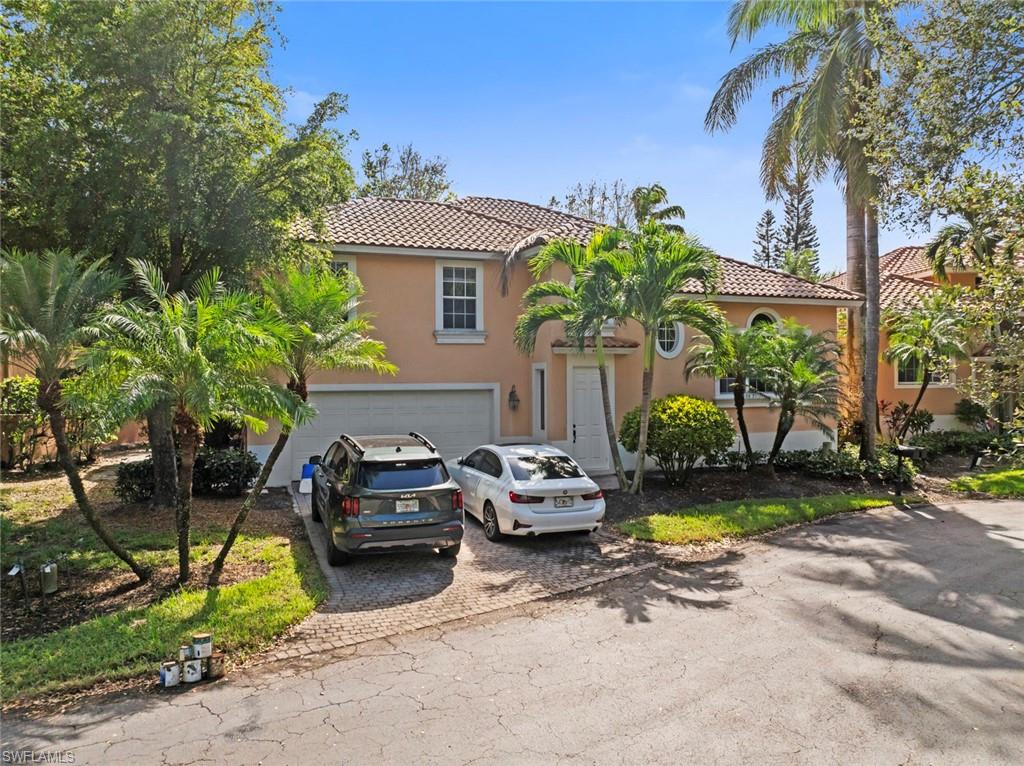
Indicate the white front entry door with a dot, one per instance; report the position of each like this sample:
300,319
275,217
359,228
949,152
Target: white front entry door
588,436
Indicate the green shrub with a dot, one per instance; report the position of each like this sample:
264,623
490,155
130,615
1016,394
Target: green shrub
24,424
225,473
95,411
971,413
682,431
844,464
937,443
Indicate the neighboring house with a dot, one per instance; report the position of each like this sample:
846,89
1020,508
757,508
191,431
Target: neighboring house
433,272
906,276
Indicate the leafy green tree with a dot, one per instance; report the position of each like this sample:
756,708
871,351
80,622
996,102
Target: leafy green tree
932,335
606,203
738,359
412,176
49,302
584,305
803,264
650,203
800,373
319,307
830,59
798,230
651,275
209,352
766,242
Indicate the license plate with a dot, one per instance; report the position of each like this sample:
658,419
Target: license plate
563,502
407,506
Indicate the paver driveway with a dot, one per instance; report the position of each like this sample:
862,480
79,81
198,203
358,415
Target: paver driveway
382,595
881,638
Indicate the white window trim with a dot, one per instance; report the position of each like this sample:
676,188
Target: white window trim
750,398
680,342
762,310
441,335
950,382
349,259
540,399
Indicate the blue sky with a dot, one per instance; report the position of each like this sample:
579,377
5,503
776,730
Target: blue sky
525,99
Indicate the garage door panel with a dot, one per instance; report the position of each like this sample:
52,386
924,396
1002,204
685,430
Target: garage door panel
455,420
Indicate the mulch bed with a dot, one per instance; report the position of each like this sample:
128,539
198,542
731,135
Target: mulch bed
87,594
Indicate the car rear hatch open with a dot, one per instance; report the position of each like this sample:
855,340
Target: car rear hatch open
404,493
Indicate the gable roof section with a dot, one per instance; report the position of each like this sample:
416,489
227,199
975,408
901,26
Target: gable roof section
535,216
907,261
895,291
742,279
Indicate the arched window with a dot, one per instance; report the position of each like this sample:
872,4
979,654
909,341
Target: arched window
670,339
763,316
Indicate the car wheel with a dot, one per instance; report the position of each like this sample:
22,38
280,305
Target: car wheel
451,551
491,529
314,503
335,556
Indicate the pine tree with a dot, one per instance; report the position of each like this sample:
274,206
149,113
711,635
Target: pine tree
767,248
798,230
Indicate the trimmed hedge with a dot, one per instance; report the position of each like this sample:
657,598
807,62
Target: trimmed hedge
682,431
829,464
218,472
937,443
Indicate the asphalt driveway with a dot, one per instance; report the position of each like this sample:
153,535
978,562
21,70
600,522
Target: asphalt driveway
881,638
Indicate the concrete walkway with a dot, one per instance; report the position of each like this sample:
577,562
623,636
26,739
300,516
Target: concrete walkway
881,638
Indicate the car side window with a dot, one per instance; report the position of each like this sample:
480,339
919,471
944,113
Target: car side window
332,452
475,459
340,462
491,464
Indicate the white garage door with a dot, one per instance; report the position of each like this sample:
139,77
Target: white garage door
455,420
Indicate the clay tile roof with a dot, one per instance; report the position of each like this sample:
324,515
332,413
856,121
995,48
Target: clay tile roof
740,278
480,224
904,260
609,342
895,290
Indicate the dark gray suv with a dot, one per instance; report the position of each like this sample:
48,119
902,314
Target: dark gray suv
386,493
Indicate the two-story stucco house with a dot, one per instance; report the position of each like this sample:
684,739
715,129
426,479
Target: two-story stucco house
432,276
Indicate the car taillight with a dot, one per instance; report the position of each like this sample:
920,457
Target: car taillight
457,503
515,497
350,506
593,495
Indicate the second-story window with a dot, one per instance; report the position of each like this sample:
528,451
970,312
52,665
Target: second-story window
458,298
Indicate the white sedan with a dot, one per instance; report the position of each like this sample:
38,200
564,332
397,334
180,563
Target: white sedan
527,489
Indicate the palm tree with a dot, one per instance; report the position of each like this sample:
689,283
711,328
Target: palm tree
971,243
651,276
931,335
49,302
319,307
650,204
582,297
208,353
829,57
737,359
801,379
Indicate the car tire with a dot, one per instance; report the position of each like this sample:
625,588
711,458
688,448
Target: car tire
451,551
335,556
491,529
314,504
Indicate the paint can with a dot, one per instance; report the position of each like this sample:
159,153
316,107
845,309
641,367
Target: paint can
216,665
202,645
184,653
170,674
193,671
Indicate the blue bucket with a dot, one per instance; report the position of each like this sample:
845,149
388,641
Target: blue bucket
307,471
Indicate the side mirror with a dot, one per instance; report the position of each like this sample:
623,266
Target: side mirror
460,461
315,459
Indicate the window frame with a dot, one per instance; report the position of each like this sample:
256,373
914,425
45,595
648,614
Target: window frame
763,310
349,264
457,334
948,381
680,341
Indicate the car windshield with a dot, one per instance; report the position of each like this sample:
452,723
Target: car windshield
392,475
543,467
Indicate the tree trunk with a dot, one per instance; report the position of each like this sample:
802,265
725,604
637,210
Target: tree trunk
917,402
739,397
855,274
609,419
188,440
781,432
645,413
165,463
872,331
48,402
250,501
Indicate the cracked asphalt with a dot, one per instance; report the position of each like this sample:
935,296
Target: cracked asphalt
890,637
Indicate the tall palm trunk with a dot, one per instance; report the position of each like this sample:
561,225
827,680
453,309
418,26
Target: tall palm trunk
786,420
739,398
159,425
855,275
917,403
188,441
645,412
48,400
872,330
609,420
250,501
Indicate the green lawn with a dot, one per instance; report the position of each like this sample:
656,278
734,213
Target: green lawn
740,518
1009,483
